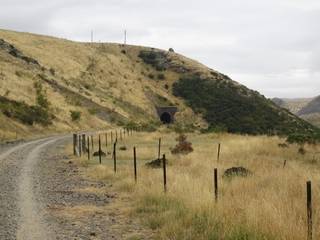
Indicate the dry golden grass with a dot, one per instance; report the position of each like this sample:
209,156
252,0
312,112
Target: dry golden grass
99,72
270,204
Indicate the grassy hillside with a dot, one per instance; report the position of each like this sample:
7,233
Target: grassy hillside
107,83
76,85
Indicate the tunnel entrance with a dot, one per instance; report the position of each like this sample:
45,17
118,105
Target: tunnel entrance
166,114
165,118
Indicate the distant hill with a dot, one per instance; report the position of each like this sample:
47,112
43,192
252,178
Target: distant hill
50,84
306,108
294,105
311,108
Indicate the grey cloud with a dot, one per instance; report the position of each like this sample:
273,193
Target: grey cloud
263,44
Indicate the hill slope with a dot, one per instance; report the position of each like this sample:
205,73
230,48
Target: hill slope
305,108
50,84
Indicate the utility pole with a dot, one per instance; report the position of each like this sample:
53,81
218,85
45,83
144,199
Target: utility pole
125,37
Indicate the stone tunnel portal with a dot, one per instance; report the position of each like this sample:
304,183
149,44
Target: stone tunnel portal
166,114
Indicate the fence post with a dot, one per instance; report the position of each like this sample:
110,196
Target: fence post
99,149
84,145
216,184
284,163
92,144
309,210
159,148
135,164
219,147
106,139
88,146
74,144
80,145
115,157
111,137
164,173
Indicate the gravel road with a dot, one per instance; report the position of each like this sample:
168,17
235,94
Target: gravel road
45,195
20,212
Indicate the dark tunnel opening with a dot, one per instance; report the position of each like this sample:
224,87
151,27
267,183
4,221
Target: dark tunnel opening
165,118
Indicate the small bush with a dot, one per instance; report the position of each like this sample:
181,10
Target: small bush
24,113
52,71
93,111
300,138
75,115
150,75
183,146
161,76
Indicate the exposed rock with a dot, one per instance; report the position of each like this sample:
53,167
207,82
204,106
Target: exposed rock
16,53
283,145
103,154
157,163
123,148
237,171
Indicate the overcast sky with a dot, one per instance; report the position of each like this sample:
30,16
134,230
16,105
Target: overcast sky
272,46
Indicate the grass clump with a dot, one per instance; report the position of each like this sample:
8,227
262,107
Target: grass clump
183,146
75,115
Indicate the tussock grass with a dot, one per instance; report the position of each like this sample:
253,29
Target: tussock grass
270,204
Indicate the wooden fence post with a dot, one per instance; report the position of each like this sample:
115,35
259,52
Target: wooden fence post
216,184
135,164
159,148
219,148
164,173
75,139
99,149
92,144
80,145
88,147
115,157
84,145
309,210
111,137
284,163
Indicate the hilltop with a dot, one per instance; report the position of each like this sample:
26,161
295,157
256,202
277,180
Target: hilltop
56,85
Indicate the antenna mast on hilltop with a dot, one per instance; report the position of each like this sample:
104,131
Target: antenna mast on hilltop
91,36
125,37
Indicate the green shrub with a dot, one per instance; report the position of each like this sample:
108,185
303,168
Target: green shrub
156,59
300,138
237,109
93,111
24,113
75,115
161,76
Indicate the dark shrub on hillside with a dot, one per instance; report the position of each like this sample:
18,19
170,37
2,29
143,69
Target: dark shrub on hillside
301,139
183,146
24,113
156,59
75,115
237,109
161,76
